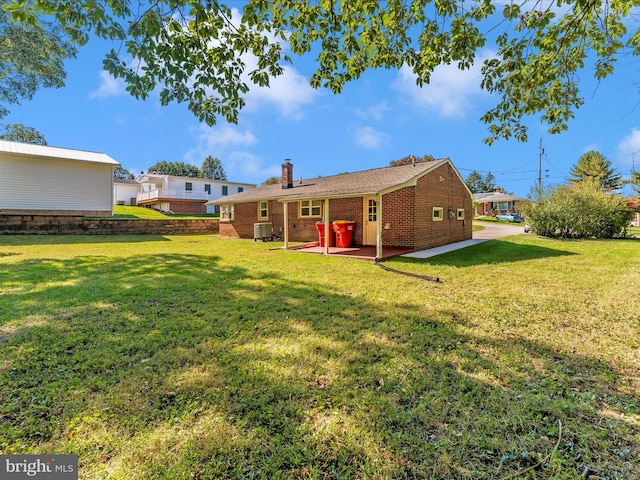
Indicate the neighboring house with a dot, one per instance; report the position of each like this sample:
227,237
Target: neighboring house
168,193
412,206
37,179
494,203
125,192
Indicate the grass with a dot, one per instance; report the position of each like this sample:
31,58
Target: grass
196,357
120,211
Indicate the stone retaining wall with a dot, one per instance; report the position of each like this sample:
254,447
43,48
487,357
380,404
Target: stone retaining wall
76,225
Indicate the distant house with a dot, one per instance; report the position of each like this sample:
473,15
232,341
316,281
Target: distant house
168,193
412,206
125,192
494,203
37,179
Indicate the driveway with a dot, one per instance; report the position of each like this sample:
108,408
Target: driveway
490,232
496,230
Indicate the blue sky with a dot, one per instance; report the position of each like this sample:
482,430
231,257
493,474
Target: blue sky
381,117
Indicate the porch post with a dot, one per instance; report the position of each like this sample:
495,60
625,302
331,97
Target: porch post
286,225
327,230
379,227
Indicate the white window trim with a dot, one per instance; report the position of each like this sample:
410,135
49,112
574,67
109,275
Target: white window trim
310,207
227,213
260,216
460,211
440,211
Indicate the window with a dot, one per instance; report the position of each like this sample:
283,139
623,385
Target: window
372,212
226,213
503,206
240,189
207,188
188,186
263,210
310,208
460,215
225,190
437,214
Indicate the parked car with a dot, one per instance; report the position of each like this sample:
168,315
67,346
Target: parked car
509,217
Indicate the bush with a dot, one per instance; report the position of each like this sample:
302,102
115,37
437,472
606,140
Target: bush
579,212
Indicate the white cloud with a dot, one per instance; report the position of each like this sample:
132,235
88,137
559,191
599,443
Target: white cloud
628,150
245,166
289,92
450,90
369,137
375,112
216,141
229,144
109,87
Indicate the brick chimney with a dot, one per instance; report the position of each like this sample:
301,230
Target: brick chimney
287,174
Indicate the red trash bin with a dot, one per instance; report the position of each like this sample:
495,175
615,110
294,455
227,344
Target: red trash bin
320,228
344,232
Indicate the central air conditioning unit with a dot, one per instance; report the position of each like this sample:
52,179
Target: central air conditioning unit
262,231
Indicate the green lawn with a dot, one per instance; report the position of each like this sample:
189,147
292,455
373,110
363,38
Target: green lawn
196,357
123,211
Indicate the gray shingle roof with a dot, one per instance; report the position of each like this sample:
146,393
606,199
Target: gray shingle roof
495,197
30,149
366,182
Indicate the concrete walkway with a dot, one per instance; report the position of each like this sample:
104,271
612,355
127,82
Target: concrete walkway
490,232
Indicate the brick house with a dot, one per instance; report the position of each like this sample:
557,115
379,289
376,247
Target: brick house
416,206
493,203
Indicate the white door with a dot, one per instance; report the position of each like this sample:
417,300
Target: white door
370,220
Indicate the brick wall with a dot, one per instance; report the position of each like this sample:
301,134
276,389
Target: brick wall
443,188
398,214
69,225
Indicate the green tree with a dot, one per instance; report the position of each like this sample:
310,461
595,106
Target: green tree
579,212
272,181
212,169
178,169
635,182
541,47
594,169
409,159
489,183
122,173
31,57
21,133
475,182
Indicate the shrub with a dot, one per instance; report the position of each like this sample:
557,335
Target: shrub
579,212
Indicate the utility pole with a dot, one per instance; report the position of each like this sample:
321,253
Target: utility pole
541,152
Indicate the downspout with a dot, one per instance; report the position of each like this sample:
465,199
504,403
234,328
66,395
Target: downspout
378,227
327,231
286,225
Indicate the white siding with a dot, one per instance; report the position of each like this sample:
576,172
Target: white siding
52,184
124,192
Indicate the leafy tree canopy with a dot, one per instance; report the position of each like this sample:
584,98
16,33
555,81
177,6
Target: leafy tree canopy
212,169
178,169
32,56
122,173
594,169
409,159
272,181
193,51
21,133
